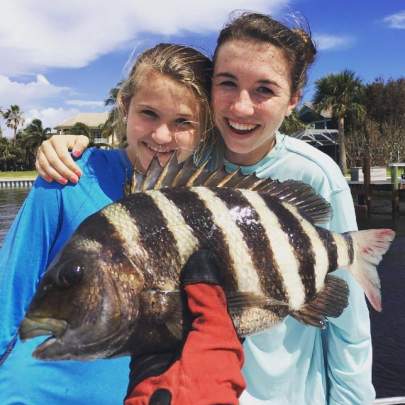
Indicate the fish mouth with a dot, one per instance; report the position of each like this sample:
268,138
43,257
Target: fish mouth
33,327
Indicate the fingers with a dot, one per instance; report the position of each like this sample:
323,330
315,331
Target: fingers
45,167
80,144
54,161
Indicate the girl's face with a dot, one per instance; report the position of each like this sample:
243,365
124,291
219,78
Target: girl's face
162,118
250,98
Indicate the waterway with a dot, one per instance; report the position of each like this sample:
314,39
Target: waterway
10,202
388,327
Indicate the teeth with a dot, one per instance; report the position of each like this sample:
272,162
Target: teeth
159,149
241,127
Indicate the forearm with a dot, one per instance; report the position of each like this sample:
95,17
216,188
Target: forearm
208,371
213,345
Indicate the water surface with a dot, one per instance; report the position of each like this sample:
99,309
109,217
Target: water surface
10,202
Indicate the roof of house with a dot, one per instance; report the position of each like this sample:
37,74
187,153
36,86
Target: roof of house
309,109
92,120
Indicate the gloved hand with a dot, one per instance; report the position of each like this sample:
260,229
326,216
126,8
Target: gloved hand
201,267
208,370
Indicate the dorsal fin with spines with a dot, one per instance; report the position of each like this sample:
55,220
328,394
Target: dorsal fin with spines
185,174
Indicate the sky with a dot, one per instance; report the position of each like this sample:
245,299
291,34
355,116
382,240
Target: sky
59,58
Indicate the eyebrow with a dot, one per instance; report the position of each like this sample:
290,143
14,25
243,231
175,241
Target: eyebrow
227,75
149,107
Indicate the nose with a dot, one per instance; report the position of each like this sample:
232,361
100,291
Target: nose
243,104
162,134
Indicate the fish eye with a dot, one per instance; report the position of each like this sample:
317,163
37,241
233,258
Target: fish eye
70,274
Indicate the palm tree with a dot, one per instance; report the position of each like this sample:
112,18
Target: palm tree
341,93
113,126
82,129
14,118
32,137
111,100
35,133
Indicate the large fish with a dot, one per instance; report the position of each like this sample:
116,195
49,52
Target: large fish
114,287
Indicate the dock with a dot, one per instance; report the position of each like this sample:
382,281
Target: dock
13,182
366,187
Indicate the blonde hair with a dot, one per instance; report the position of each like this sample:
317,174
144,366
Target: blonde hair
183,64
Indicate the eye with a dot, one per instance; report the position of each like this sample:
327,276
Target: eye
69,275
227,84
265,91
183,123
149,113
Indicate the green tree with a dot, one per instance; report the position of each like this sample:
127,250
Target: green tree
31,138
292,123
385,101
82,129
111,100
14,118
11,155
342,93
113,127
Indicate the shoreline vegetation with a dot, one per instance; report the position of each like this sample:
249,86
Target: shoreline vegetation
19,175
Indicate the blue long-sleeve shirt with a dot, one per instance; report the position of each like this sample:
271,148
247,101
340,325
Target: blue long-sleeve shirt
46,220
292,363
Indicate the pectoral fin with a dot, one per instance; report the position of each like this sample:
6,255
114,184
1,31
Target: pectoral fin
331,301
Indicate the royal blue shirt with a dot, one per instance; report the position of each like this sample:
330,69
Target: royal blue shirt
48,217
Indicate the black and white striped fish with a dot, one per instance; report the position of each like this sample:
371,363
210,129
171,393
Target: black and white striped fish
114,288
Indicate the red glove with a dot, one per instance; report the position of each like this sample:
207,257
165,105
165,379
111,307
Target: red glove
208,371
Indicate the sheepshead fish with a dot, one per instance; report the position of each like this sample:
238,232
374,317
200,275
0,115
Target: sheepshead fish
114,287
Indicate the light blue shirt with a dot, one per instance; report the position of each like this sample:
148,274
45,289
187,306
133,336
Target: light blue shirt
47,219
295,364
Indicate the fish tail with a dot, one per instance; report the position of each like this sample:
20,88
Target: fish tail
369,247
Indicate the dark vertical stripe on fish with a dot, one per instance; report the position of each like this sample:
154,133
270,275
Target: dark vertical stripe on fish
349,243
200,220
254,235
330,246
109,237
154,234
299,240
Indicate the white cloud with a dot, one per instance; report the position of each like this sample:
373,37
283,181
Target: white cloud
396,20
42,34
27,94
328,42
50,116
85,103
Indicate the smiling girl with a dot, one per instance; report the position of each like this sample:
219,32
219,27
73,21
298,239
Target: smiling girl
165,104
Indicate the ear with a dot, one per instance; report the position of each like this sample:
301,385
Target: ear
294,100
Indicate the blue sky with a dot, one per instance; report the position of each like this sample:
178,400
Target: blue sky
58,58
